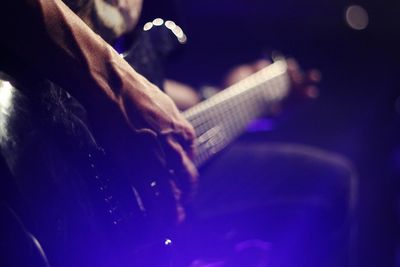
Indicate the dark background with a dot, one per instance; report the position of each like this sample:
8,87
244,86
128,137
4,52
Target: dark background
355,114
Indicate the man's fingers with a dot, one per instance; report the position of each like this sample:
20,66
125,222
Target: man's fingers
260,64
180,210
311,91
182,166
292,64
314,76
237,74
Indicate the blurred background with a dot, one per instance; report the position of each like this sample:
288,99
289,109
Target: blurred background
355,46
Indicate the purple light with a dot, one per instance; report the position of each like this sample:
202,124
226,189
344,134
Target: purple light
261,125
253,243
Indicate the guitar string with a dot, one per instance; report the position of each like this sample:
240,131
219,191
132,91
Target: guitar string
232,104
229,93
197,121
233,129
246,105
242,86
229,127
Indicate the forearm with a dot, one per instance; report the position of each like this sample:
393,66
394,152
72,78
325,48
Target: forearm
54,41
59,45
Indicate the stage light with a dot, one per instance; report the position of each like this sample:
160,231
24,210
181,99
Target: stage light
158,22
175,29
357,17
148,26
170,24
178,31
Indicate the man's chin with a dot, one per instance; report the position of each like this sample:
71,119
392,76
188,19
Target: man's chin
111,23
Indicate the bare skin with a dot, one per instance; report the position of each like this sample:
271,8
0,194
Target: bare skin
97,76
303,82
111,18
55,36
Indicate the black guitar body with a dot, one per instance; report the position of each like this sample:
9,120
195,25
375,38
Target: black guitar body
92,194
79,198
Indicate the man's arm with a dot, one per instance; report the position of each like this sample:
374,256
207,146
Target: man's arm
52,39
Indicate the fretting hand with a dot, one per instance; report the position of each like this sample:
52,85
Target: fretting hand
153,112
303,83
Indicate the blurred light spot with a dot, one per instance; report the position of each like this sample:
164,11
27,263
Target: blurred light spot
179,34
177,31
183,40
170,24
357,17
158,22
148,26
168,242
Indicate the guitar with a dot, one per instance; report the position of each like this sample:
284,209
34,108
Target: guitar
136,204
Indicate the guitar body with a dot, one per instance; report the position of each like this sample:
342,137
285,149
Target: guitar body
92,193
86,203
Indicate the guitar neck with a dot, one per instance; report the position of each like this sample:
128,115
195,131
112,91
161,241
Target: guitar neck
221,118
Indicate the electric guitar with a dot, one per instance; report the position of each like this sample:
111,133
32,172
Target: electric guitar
130,189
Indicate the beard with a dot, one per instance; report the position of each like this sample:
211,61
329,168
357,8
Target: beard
116,17
108,18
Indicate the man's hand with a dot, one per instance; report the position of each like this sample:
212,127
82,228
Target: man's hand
304,82
61,47
152,111
147,111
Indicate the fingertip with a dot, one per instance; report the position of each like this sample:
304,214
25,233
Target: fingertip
312,92
192,151
292,63
314,75
191,169
260,64
179,209
192,132
181,214
297,78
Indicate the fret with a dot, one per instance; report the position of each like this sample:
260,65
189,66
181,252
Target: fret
221,118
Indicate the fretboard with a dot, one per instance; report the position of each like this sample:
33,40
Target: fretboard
223,117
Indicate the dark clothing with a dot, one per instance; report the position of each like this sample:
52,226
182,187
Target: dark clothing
291,196
298,198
